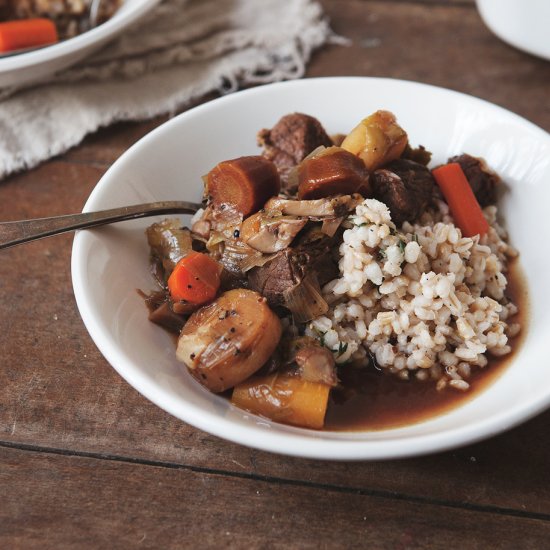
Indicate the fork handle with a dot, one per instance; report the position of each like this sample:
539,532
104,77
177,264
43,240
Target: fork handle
19,232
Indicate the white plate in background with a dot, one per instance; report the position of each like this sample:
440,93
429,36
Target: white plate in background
110,263
32,66
524,24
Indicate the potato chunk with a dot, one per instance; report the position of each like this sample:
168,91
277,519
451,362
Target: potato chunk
228,340
377,139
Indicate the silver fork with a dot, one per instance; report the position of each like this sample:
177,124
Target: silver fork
93,13
24,231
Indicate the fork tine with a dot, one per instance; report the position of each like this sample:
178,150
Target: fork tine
93,13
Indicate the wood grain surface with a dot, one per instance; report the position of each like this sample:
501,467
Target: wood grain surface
85,461
78,501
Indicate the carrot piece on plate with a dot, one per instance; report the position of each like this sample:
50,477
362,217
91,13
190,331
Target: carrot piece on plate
26,33
195,279
331,172
243,184
461,199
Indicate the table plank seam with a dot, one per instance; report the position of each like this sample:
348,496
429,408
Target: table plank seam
103,165
376,493
443,3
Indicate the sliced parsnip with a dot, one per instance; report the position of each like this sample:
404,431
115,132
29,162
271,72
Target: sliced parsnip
377,139
318,208
270,233
284,398
227,341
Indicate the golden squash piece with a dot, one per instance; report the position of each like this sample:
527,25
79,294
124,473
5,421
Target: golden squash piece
377,139
228,340
284,398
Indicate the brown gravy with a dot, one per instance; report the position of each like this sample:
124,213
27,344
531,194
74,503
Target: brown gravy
371,400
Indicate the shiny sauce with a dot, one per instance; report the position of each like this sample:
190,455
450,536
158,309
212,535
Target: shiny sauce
369,399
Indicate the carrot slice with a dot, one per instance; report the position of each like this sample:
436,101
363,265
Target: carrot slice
461,199
244,184
335,171
195,279
26,33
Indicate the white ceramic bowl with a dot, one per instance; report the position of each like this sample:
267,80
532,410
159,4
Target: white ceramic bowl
32,66
108,264
524,24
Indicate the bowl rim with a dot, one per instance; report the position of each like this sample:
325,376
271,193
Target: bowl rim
498,26
120,20
301,443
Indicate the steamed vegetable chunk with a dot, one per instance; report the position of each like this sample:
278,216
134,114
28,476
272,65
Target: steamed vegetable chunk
228,340
27,33
242,184
169,242
377,139
270,232
284,398
461,199
195,279
332,171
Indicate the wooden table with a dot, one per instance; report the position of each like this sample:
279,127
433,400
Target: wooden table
85,461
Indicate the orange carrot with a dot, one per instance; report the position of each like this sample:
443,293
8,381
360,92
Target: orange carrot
195,279
333,171
244,184
461,199
26,33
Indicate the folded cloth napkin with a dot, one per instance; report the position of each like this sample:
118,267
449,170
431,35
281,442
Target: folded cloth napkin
183,50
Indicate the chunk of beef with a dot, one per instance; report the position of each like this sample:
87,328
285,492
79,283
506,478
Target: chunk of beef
276,276
166,318
419,154
326,269
289,268
482,181
406,187
274,363
161,311
314,250
291,140
316,364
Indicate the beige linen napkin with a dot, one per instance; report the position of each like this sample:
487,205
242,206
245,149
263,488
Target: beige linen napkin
184,49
